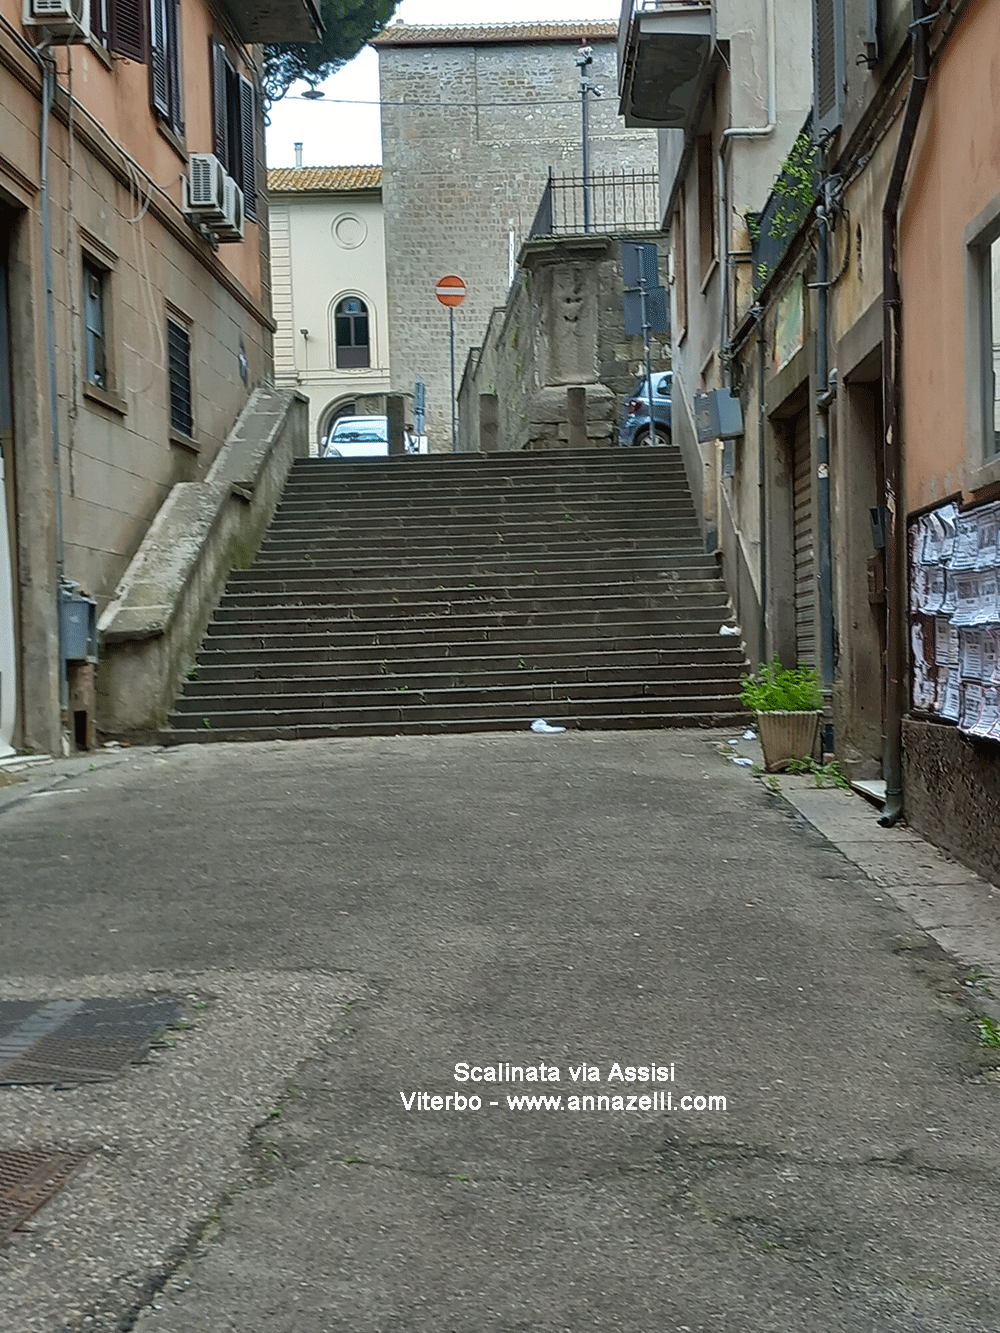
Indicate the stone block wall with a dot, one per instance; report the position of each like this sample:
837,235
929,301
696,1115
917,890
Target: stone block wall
562,328
951,787
469,133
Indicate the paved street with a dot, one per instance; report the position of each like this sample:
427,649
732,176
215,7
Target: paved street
348,920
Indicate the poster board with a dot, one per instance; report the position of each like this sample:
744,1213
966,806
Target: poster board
955,617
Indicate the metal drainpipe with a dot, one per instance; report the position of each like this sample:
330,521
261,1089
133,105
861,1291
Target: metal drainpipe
758,314
762,131
47,65
823,397
895,573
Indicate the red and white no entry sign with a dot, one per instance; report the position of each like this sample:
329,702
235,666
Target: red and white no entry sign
451,290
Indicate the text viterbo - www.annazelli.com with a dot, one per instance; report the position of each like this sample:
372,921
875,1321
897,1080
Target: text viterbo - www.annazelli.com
620,1099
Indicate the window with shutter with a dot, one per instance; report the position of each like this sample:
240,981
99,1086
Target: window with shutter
829,71
179,378
164,63
234,124
125,28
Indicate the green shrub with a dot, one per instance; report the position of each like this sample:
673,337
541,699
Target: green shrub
778,689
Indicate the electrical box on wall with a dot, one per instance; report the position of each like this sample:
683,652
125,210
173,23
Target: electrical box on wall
718,415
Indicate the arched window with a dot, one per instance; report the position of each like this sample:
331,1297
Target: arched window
351,331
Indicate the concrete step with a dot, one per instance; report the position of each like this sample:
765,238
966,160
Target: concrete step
486,624
678,651
390,552
388,497
350,590
611,721
499,567
597,642
449,675
470,593
525,518
390,636
527,689
467,607
476,705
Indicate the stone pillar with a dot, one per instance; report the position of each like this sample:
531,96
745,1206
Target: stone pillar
394,410
576,411
489,423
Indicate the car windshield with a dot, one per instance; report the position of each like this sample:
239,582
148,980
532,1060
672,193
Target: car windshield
363,436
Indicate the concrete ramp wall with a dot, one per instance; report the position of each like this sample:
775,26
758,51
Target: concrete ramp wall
151,630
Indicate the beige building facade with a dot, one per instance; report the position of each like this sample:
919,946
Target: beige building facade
132,193
329,290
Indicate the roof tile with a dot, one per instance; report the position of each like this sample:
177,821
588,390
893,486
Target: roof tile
403,34
304,179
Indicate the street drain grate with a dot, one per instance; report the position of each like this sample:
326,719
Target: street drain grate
29,1179
78,1041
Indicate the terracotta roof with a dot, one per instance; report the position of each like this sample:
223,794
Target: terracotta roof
402,34
280,179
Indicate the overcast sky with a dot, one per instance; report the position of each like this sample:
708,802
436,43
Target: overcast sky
343,129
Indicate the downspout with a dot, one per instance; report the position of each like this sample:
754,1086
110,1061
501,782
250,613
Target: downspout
758,314
46,64
823,400
895,573
762,131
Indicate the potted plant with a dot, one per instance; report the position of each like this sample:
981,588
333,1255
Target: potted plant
788,704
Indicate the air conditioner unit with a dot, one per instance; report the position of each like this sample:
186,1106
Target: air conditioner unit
205,188
64,21
231,227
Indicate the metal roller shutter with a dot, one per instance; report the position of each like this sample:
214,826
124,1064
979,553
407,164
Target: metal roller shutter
805,562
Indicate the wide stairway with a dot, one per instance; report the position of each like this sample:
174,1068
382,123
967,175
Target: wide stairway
470,593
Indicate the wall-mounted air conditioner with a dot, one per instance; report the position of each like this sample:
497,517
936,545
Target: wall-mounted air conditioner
231,227
63,20
205,188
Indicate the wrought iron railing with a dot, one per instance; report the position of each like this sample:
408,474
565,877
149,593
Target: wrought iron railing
608,204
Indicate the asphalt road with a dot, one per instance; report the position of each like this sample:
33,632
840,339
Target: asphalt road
349,921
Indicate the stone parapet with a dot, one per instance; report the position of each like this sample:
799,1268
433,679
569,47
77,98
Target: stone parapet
951,786
151,630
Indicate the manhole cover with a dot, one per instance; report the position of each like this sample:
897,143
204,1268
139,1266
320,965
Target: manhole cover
78,1041
29,1179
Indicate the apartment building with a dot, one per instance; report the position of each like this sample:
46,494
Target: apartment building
135,304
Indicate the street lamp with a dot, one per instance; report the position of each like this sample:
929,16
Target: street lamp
584,59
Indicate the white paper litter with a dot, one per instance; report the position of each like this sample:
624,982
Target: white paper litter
742,760
729,629
543,728
749,735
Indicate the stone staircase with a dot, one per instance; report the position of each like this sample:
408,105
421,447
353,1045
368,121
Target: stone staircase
470,593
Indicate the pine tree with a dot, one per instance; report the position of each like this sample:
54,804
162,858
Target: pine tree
349,24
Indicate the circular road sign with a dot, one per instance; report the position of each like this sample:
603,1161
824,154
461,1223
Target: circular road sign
451,290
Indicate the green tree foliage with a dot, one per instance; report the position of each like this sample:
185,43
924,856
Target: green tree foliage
349,24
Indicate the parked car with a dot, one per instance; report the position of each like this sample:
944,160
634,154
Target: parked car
358,437
635,427
367,437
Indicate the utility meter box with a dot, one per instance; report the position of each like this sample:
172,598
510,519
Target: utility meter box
79,627
718,415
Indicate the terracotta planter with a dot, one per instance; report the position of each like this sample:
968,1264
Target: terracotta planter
786,736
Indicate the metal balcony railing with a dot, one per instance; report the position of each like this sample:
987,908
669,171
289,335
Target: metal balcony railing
611,203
